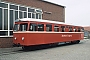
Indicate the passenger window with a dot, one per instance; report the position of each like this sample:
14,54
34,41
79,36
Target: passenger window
48,27
74,29
56,28
70,29
82,29
78,29
40,27
33,27
66,26
63,28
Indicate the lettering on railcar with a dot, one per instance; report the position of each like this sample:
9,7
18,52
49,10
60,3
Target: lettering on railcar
66,35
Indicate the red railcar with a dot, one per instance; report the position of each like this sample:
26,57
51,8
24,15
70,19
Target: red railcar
28,32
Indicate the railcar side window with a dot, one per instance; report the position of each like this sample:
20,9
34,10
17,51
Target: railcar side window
70,29
78,29
48,27
23,27
56,28
33,27
74,29
82,29
40,27
63,28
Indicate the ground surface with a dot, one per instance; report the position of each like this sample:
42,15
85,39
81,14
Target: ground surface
79,51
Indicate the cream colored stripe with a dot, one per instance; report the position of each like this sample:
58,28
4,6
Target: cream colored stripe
44,32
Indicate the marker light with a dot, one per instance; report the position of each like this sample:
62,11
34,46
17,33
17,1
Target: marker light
15,38
22,38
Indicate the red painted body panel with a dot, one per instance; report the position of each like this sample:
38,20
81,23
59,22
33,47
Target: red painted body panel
37,38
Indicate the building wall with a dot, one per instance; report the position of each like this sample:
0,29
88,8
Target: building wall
6,42
50,11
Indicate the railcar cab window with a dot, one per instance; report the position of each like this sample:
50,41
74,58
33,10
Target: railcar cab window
56,28
23,27
48,27
16,27
63,28
33,27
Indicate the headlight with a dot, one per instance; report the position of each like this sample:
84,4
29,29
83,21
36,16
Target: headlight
15,38
22,38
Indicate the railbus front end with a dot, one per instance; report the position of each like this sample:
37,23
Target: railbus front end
19,34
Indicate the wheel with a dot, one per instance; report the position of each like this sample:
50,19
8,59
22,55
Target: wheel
25,47
77,41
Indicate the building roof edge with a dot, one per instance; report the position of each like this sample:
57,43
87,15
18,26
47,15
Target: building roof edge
53,3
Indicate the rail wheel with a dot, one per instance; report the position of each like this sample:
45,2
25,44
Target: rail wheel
75,42
25,47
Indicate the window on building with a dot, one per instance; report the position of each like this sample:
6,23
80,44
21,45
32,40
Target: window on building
13,7
16,15
40,27
10,12
4,5
56,28
20,14
29,15
22,8
33,15
40,16
3,33
5,19
36,15
48,27
31,10
0,19
39,11
25,14
11,32
11,19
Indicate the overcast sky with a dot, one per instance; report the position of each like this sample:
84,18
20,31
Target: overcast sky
77,12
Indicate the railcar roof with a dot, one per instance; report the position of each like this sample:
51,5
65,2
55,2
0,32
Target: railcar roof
41,20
